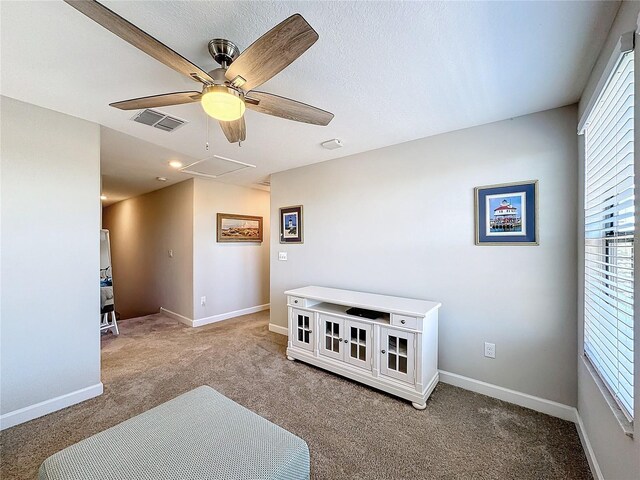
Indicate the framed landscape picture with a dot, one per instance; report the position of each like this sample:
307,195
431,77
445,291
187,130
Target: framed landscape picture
291,224
239,228
507,214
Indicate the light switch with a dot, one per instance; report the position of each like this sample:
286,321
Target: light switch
282,256
170,253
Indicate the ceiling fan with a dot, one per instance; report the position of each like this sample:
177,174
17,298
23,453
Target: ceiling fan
229,89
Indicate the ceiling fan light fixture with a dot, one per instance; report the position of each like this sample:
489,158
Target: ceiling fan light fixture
222,103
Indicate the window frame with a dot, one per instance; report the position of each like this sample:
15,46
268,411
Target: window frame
625,417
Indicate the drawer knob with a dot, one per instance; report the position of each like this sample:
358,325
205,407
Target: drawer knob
339,339
384,351
346,341
295,301
403,321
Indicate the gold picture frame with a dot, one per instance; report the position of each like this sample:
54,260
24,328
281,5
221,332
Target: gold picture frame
239,228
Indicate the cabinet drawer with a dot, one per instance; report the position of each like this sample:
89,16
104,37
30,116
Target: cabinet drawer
297,301
404,321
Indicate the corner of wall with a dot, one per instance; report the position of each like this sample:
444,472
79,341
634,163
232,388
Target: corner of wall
232,277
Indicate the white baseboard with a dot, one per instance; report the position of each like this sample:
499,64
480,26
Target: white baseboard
25,414
176,316
214,318
588,450
538,404
226,316
278,329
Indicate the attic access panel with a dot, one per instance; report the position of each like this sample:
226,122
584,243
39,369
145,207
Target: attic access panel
215,167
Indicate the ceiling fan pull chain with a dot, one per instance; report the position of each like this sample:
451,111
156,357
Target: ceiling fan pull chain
241,114
207,144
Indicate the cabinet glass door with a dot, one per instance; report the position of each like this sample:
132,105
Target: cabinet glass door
331,331
397,355
358,344
302,329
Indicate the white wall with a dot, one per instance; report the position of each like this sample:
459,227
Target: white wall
400,221
143,229
617,455
50,298
233,276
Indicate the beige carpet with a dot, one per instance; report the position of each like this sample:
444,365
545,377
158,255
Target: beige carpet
353,432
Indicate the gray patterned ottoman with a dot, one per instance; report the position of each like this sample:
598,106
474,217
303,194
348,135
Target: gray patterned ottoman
198,435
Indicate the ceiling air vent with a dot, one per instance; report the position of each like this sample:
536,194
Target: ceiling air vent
158,120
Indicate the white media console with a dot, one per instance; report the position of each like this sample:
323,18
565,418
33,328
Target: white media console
397,352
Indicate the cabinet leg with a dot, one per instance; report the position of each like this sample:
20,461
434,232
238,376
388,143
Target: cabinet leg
290,358
419,406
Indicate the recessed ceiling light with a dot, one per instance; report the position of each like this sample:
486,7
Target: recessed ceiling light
161,179
103,197
175,164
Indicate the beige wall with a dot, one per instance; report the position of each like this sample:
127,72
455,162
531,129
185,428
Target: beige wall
50,295
617,455
143,229
400,221
232,276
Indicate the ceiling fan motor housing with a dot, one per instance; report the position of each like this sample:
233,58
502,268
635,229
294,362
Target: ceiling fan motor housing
223,51
218,77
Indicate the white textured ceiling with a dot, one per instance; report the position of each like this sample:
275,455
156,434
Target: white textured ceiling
130,166
390,71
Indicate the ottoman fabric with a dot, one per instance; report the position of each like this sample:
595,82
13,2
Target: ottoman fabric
199,435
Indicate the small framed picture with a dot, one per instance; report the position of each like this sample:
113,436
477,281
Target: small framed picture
239,228
507,214
291,224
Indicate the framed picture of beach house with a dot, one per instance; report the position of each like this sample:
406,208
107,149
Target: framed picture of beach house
239,228
507,214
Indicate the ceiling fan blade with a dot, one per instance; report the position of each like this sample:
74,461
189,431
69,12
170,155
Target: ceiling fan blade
165,100
139,39
290,109
272,52
235,131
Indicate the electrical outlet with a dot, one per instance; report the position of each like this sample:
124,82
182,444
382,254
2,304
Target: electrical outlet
203,301
489,350
282,256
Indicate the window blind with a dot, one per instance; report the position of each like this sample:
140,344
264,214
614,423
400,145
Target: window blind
609,229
